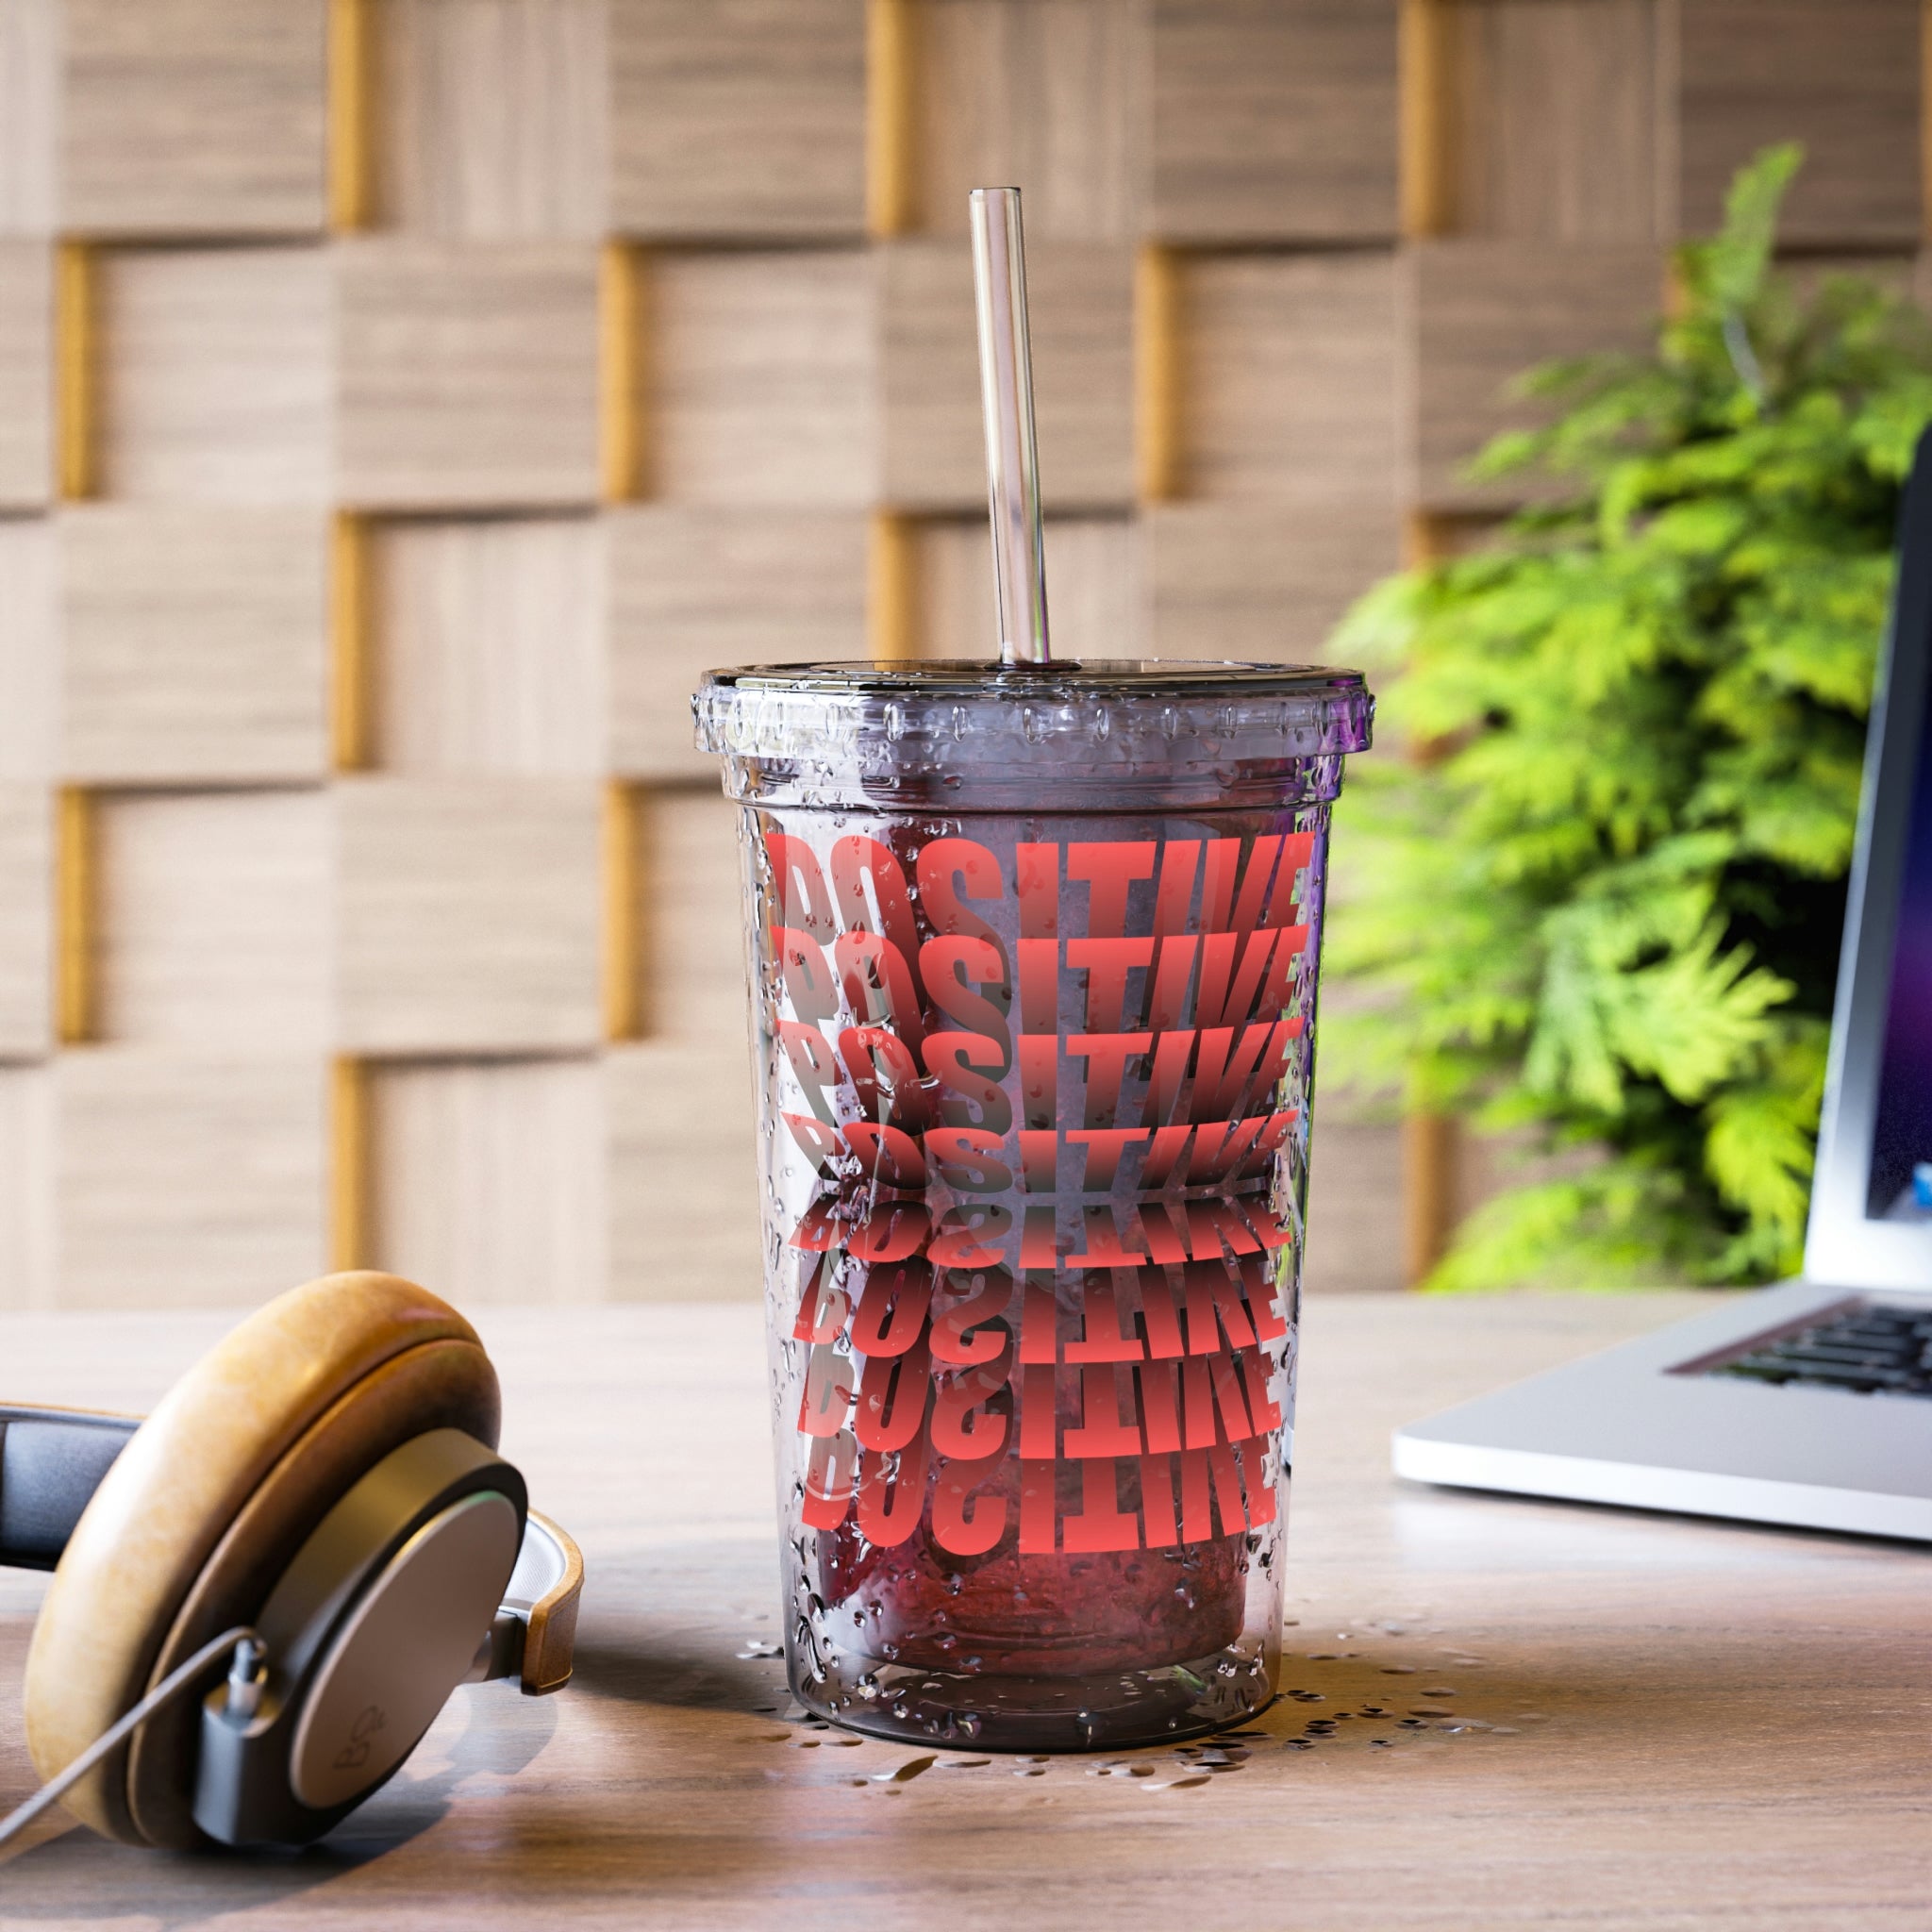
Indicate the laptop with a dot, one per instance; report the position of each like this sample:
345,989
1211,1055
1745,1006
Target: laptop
1809,1403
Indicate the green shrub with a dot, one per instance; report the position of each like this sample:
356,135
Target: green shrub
1608,912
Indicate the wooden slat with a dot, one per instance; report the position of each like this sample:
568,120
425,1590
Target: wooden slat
351,1166
1273,123
352,665
1427,106
892,586
27,1272
1484,317
352,81
1430,1189
738,118
29,116
490,118
627,912
1081,299
692,917
1842,76
1289,379
682,1145
494,1179
76,914
1157,400
194,117
623,351
467,915
1481,313
215,374
487,646
762,377
1046,96
893,39
1260,581
1552,131
188,1179
1355,1220
468,373
29,650
211,920
1093,584
27,375
193,643
29,888
694,589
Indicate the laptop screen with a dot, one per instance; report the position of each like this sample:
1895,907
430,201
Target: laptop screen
1901,1178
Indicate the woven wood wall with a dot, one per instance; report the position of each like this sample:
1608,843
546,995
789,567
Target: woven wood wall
402,400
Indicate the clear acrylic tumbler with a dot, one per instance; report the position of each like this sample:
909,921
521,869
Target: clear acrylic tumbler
1033,955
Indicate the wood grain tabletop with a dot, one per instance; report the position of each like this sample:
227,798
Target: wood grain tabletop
1614,1719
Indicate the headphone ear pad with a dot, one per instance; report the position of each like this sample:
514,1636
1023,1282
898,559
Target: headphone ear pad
208,1504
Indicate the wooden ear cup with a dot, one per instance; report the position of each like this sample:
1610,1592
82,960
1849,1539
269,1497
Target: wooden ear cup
207,1505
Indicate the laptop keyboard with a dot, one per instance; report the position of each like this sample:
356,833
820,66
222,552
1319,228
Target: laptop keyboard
1868,1349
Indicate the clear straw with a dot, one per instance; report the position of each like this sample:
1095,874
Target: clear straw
1006,391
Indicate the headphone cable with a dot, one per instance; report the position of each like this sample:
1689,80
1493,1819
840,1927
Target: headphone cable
246,1644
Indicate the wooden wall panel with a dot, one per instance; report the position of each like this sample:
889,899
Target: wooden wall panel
1355,1207
490,118
738,117
26,929
491,1179
763,371
214,375
29,660
468,374
29,114
1842,76
185,1179
29,1277
1044,94
1481,314
683,1136
694,945
468,915
694,589
1094,586
212,920
1288,378
1274,120
192,643
1555,126
26,375
1240,580
194,117
488,645
1081,303
601,342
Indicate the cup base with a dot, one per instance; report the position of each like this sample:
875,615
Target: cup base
1105,1711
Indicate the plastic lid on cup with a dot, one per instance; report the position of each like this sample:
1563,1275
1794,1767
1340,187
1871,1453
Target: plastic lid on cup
959,732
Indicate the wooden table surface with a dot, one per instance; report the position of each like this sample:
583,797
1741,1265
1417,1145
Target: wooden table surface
1690,1724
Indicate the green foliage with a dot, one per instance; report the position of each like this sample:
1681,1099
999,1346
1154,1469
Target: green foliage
1609,911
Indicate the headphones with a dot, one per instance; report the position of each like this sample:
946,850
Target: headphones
319,1504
